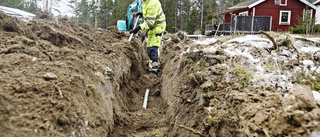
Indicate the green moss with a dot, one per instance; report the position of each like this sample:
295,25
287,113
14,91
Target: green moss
214,121
109,50
286,42
269,66
312,80
92,90
107,73
201,64
246,130
317,86
198,78
158,133
243,76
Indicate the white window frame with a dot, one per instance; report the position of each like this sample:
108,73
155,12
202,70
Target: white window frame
285,3
289,17
245,13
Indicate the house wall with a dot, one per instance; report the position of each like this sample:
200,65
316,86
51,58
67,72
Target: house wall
318,15
268,8
227,18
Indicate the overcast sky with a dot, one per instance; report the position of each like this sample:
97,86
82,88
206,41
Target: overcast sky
62,6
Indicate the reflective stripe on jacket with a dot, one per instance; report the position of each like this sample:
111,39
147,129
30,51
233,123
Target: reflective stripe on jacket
153,15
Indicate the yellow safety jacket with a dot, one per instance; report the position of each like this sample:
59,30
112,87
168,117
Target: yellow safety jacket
154,21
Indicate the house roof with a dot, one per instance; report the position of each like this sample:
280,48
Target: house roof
317,2
309,4
13,11
252,3
247,4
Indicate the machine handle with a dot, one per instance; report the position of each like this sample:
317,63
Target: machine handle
135,24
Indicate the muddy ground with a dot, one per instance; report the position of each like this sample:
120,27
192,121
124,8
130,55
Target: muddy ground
58,78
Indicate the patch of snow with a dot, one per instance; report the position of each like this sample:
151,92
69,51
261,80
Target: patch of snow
249,38
34,59
245,53
192,49
210,49
308,63
309,66
317,39
309,49
205,41
316,96
314,39
98,74
268,69
261,44
315,134
317,70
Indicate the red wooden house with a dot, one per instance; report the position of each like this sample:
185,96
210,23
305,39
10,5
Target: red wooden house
284,13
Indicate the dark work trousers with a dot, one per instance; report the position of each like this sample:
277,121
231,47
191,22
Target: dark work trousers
153,53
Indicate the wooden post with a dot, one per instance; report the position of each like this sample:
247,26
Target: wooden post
235,25
252,20
216,30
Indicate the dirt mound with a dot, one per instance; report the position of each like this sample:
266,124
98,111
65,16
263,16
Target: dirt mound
60,79
218,95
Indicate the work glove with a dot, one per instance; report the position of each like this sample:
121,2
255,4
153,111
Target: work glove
139,14
134,31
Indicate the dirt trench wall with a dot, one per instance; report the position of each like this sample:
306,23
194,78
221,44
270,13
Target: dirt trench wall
181,95
205,94
60,79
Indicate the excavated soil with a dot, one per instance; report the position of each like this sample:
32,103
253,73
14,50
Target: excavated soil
61,79
58,78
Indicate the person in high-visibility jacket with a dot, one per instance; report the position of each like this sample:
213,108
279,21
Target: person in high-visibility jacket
155,24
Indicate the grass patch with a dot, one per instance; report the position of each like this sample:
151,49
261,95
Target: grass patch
214,121
92,90
243,76
311,80
158,133
269,66
109,51
246,130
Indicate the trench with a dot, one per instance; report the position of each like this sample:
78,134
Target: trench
165,112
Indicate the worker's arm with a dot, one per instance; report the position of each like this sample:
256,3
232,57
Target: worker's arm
149,16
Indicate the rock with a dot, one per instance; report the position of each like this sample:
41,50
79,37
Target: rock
208,86
303,97
50,76
259,117
294,62
157,92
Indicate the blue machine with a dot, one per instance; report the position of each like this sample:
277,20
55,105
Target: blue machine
131,17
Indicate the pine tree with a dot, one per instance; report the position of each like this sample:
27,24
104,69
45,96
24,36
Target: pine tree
120,11
106,8
83,12
12,3
93,13
193,19
31,6
170,10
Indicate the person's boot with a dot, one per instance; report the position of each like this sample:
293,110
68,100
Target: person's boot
154,69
